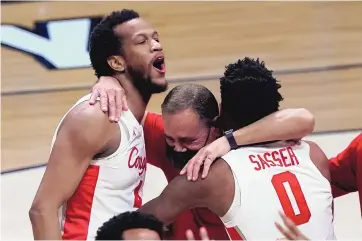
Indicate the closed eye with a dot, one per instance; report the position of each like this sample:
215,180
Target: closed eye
141,42
187,140
168,138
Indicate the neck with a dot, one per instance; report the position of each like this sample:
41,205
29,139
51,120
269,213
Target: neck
136,101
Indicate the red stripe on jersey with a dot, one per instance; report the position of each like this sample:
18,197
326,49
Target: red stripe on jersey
79,206
234,234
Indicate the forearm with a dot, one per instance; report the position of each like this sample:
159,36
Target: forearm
160,209
45,225
287,124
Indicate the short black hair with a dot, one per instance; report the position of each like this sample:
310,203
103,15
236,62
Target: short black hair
104,42
249,92
113,229
194,96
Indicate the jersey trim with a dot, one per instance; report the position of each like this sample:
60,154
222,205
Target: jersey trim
79,206
235,233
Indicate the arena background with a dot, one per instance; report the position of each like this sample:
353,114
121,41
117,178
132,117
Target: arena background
314,48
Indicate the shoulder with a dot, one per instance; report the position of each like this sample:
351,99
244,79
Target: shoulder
315,151
153,126
152,119
319,159
87,121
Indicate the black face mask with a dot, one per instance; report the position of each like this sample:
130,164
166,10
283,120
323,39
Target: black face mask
180,159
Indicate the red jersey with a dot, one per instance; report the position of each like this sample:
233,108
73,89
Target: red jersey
346,170
192,219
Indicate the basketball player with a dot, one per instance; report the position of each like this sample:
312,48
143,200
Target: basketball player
296,123
282,125
274,175
346,177
131,226
96,169
138,226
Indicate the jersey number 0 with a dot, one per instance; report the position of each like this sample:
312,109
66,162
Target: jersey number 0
287,177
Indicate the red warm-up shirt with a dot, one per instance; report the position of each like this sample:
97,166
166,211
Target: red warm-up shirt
346,170
192,219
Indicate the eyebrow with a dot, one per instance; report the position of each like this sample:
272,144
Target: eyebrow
155,33
167,136
187,139
182,139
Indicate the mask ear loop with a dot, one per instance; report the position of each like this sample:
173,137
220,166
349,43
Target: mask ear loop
213,123
208,135
216,123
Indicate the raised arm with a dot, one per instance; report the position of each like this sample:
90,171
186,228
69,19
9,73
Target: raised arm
287,124
83,134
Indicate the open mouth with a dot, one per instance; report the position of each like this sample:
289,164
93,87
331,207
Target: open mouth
159,64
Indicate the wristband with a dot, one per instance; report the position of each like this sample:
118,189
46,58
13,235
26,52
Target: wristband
229,136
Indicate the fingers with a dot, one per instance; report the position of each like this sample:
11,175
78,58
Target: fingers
289,224
189,167
124,102
207,164
112,105
94,96
103,99
203,234
190,235
290,231
194,168
183,171
285,233
119,105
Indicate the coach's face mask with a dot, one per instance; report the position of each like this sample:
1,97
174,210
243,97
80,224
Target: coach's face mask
180,159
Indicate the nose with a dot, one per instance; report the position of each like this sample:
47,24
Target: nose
156,46
177,147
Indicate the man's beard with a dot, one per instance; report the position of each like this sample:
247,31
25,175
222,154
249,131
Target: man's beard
144,83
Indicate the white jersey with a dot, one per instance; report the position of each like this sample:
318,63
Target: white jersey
278,177
110,185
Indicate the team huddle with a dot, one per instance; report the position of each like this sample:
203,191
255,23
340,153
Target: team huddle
259,179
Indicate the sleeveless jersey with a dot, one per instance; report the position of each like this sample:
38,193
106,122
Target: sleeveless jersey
110,186
278,177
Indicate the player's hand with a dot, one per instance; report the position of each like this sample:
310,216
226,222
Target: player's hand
205,156
203,234
290,231
112,97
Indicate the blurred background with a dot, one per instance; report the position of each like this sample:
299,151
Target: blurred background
314,49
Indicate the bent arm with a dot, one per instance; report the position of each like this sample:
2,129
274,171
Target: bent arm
215,192
287,124
172,201
70,157
344,169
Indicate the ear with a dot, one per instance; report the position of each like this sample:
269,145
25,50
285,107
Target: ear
117,63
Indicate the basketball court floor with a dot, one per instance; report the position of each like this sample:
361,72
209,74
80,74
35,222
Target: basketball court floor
18,190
